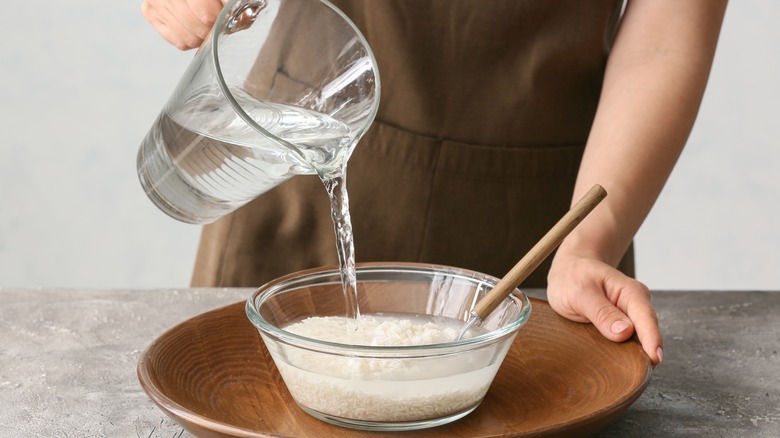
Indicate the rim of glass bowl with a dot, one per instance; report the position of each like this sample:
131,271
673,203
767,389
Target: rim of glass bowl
307,276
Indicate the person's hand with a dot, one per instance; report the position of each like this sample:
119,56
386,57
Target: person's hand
584,289
183,23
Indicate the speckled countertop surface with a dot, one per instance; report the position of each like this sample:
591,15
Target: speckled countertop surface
68,360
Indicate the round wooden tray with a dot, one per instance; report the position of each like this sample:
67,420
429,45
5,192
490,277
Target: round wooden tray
214,376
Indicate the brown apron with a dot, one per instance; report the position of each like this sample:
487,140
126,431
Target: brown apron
485,109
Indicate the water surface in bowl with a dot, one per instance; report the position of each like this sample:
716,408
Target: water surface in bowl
381,329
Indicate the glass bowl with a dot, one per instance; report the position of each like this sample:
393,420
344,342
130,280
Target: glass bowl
380,387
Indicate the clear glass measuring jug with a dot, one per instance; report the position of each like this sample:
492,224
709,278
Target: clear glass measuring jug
280,88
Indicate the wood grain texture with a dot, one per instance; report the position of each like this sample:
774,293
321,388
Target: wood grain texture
213,375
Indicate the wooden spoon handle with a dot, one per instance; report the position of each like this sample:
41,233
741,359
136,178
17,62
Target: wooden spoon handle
540,251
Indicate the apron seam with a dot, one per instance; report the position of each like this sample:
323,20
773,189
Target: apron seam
496,146
429,201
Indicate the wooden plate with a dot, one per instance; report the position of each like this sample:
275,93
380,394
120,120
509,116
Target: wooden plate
213,375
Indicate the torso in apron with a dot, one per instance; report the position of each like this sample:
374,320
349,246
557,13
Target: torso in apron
485,109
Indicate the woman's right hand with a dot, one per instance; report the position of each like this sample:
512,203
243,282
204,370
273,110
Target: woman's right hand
183,23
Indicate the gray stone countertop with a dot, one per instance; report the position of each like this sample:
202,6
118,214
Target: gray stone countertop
68,360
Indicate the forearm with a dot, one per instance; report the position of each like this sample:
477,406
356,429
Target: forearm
654,83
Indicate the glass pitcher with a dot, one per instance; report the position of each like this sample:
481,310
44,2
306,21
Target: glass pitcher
279,88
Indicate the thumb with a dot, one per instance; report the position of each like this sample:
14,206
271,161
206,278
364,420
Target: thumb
608,319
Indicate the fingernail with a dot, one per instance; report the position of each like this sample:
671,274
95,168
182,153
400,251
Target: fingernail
618,327
660,353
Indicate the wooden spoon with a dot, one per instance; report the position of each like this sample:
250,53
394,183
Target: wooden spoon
534,257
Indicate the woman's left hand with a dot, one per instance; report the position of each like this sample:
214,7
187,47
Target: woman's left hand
584,289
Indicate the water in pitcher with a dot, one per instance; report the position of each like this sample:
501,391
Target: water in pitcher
217,162
220,170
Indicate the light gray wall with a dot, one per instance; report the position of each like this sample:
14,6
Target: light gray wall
717,223
80,83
